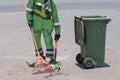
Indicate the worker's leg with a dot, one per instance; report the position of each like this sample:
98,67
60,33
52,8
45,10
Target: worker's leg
37,31
38,41
49,44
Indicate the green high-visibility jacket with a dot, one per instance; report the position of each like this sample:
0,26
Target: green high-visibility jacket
31,10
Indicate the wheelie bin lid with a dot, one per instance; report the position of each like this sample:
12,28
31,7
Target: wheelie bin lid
93,18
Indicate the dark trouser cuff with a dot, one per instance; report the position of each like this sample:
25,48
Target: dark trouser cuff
40,51
49,53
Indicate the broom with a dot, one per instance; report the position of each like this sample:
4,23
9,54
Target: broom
41,65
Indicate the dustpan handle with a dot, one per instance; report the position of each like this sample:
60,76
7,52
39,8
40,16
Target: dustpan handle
56,46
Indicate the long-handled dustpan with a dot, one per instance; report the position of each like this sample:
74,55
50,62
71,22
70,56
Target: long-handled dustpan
56,63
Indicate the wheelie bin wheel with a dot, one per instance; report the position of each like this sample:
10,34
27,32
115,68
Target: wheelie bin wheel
89,63
79,58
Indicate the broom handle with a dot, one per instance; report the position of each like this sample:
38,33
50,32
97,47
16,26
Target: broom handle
34,40
24,5
33,36
38,53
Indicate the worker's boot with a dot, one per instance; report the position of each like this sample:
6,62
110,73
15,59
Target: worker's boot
49,54
51,60
41,54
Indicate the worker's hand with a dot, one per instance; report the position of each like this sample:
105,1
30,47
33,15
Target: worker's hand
57,36
30,23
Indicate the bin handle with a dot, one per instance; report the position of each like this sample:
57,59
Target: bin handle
82,24
82,27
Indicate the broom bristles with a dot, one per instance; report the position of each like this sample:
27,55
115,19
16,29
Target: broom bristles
43,68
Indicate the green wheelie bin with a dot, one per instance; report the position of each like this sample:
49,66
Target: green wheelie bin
90,34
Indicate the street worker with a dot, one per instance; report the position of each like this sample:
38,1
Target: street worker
42,17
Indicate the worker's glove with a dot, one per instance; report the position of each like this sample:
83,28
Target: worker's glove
30,23
57,36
